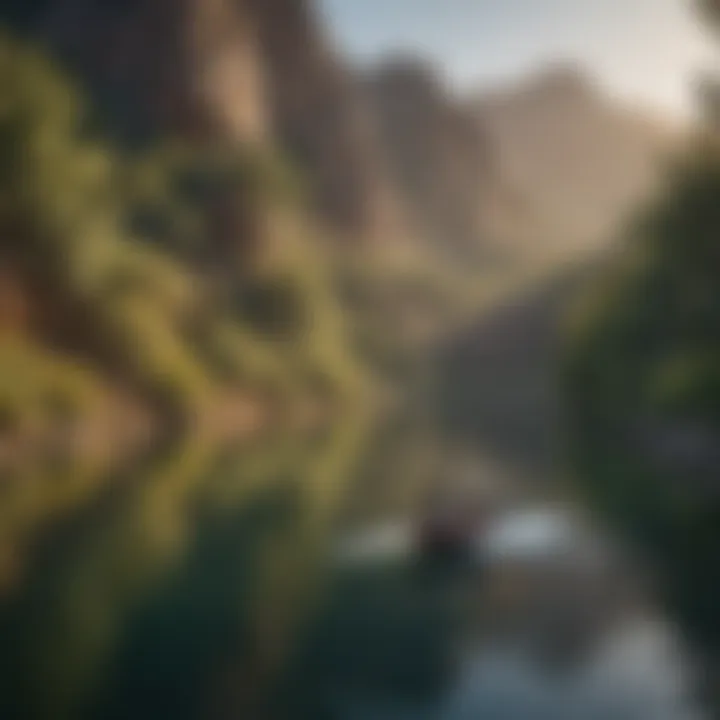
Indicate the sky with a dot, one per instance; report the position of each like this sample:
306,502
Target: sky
645,51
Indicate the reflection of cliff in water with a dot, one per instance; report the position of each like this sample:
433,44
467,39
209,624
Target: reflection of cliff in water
498,381
180,587
208,583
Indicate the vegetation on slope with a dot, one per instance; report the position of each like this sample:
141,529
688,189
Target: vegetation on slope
644,386
99,244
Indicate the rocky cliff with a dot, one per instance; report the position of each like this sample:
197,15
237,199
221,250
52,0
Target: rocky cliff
129,258
577,161
551,161
551,164
385,157
321,121
578,164
438,155
251,72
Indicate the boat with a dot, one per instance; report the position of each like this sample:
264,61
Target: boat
449,527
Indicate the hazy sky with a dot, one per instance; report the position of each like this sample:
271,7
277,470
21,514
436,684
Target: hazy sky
648,50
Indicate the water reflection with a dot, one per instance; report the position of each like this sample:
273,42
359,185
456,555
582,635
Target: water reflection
178,575
635,673
544,623
213,582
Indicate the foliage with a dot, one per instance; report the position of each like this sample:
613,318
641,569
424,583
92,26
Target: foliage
171,307
212,537
36,386
711,9
644,389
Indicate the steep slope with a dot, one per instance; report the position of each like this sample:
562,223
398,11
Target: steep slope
239,71
207,103
575,166
201,229
577,161
130,260
157,66
438,155
550,166
321,121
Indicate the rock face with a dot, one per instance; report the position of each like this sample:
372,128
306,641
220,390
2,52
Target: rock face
179,66
439,156
250,72
549,165
577,161
321,121
386,156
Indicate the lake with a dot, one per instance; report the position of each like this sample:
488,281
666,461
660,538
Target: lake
278,581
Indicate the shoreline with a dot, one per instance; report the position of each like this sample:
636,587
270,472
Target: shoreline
122,428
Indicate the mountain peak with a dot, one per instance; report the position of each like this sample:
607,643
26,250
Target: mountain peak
409,73
558,84
564,79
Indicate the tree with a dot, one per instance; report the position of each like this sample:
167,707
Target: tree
643,381
710,9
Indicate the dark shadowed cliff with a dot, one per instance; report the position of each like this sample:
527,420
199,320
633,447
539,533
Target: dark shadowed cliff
259,73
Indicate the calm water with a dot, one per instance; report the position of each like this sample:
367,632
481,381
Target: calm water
225,583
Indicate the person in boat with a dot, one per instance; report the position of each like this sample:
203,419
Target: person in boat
451,521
